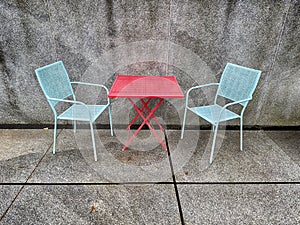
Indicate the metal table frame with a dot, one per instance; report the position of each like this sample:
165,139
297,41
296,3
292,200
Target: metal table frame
145,88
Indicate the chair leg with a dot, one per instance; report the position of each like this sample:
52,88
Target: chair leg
74,126
241,134
110,121
214,143
93,140
183,124
54,138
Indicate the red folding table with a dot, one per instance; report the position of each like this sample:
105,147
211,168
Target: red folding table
145,88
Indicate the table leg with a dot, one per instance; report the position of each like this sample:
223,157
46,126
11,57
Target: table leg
146,121
137,115
153,116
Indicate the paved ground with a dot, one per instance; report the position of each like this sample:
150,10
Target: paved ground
145,184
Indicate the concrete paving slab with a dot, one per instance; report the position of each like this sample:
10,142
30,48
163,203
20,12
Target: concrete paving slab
18,142
18,170
288,141
240,204
67,165
20,152
7,195
261,161
143,161
81,204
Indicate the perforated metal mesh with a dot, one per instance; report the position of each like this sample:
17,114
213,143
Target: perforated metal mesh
54,81
238,83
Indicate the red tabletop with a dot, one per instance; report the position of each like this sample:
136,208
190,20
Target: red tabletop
126,86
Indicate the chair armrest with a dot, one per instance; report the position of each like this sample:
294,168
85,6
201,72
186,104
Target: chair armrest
230,104
70,101
197,87
236,102
90,84
66,100
95,85
201,86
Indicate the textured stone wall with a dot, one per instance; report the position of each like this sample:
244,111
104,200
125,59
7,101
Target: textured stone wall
191,39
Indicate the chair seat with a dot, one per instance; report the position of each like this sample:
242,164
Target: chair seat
211,113
80,112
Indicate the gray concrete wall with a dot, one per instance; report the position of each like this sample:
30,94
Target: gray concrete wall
258,34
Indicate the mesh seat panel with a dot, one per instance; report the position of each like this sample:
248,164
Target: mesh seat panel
211,113
80,112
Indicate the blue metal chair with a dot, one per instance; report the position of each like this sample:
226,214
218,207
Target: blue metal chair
237,84
56,85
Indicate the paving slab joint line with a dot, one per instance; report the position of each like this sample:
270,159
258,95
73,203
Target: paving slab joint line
168,127
42,157
90,183
174,181
23,184
240,183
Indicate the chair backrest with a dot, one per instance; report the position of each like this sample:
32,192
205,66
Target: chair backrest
54,81
238,82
